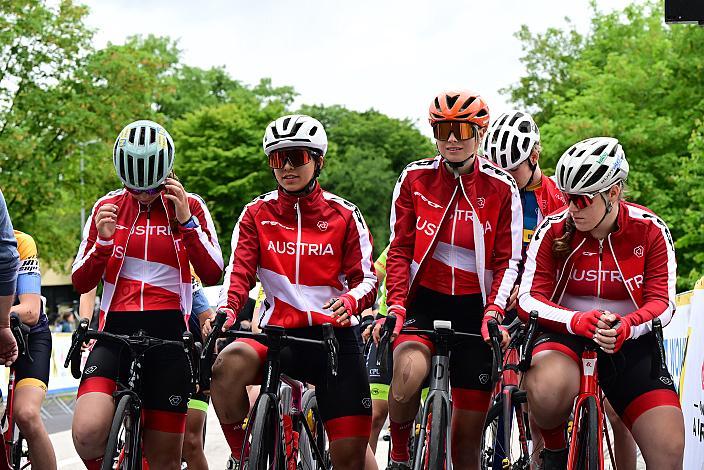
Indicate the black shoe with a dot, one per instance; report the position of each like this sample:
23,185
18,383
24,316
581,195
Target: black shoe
398,466
554,459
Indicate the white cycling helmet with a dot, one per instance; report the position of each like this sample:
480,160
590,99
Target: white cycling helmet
591,166
295,130
510,139
143,155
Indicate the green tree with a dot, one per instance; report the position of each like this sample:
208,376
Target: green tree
633,78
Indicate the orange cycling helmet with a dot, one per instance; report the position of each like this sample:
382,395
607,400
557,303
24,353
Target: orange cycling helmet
459,105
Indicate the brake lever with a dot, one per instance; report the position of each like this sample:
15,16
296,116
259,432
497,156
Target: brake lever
382,357
494,335
331,346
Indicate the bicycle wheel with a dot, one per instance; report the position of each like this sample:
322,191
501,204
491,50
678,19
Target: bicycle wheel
432,440
123,450
307,458
266,439
494,452
587,437
20,453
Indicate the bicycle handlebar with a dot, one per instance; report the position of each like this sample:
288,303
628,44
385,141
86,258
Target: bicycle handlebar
83,334
329,343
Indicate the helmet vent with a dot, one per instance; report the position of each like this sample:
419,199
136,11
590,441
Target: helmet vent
451,100
160,170
514,118
140,172
130,169
286,121
151,166
581,172
152,135
437,104
598,174
313,130
121,164
133,131
142,135
468,103
482,112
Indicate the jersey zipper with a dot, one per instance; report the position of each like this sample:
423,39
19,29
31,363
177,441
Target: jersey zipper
598,273
146,250
298,260
452,245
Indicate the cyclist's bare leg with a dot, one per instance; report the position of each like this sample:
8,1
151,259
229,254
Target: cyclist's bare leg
411,366
625,449
659,433
162,449
466,433
370,460
380,410
348,453
92,418
26,408
552,382
193,440
235,367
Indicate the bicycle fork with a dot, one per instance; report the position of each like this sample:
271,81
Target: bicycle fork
588,387
439,384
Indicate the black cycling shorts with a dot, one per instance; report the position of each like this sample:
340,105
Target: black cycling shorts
470,358
378,382
166,384
35,373
625,377
344,402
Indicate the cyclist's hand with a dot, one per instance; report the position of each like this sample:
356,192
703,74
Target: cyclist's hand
367,324
342,309
105,220
8,347
176,194
379,324
492,315
585,323
231,318
613,338
512,298
88,345
207,326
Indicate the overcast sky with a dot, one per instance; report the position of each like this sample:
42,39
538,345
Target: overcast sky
390,55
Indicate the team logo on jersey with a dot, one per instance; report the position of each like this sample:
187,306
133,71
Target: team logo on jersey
638,251
276,224
589,253
480,202
174,400
91,369
322,225
428,201
484,378
367,402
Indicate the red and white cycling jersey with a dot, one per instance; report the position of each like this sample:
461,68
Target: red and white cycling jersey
145,266
631,272
305,251
424,199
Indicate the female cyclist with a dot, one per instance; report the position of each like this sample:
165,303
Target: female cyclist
312,252
32,378
140,240
455,247
601,269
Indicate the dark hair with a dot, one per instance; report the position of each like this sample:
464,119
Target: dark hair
561,246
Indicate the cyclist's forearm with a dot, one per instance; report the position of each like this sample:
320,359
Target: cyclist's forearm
28,309
87,304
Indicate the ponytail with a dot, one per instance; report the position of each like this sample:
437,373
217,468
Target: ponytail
561,246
